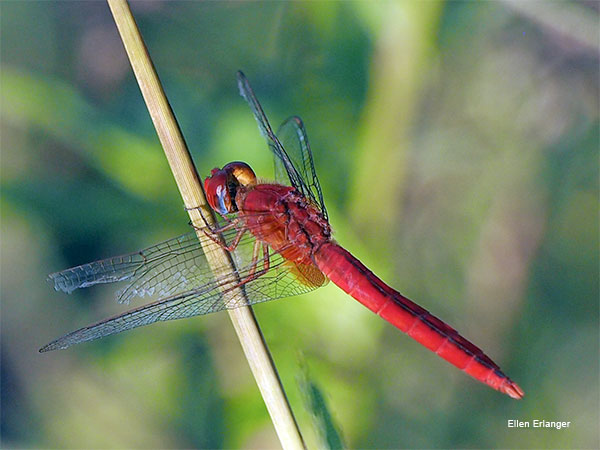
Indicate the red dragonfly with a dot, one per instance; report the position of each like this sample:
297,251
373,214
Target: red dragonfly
280,240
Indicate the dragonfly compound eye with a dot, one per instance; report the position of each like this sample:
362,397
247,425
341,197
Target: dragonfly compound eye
241,172
217,192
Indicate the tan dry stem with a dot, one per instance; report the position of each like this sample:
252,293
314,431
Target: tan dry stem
191,191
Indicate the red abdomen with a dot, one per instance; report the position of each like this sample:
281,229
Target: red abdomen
354,278
281,217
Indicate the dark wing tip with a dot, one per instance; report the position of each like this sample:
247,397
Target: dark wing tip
58,344
241,82
46,348
293,118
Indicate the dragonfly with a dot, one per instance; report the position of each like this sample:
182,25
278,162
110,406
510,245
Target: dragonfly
280,240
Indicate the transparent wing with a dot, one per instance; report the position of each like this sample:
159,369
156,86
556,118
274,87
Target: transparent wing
155,270
177,270
299,174
294,139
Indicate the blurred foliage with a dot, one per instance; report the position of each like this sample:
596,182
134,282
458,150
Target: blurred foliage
457,147
315,403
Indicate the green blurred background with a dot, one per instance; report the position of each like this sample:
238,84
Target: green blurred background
457,148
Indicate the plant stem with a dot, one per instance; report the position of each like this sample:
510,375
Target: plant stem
189,185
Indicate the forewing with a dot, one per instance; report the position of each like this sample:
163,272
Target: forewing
293,167
178,271
294,139
155,270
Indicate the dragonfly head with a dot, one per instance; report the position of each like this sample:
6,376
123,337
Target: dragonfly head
222,185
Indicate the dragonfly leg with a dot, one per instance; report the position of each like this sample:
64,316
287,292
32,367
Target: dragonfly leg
253,274
231,247
214,228
215,236
200,210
